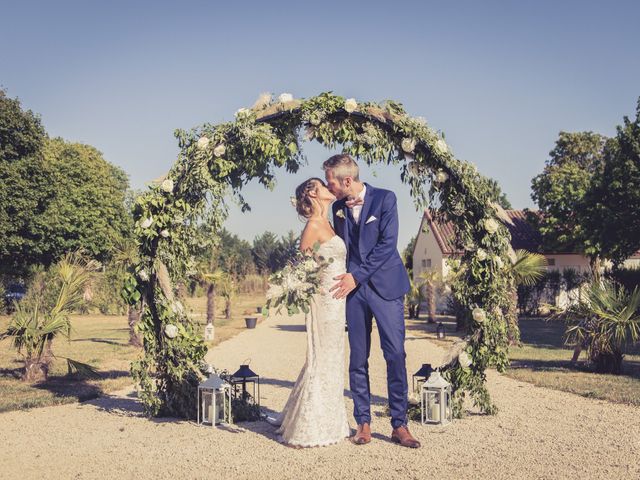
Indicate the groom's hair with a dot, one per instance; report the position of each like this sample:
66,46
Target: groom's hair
342,166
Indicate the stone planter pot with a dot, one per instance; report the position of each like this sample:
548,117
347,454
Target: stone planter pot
258,309
251,321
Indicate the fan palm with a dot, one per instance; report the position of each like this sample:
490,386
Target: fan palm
526,270
431,280
45,314
605,319
125,256
414,297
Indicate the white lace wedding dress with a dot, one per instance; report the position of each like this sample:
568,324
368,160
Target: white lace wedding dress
315,413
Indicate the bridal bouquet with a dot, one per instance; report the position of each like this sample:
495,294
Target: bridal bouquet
295,285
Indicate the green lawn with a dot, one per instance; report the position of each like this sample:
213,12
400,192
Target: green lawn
544,361
101,341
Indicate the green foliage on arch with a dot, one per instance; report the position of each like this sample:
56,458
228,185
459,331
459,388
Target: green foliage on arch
218,160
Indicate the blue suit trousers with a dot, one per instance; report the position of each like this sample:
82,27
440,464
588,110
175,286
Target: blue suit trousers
363,304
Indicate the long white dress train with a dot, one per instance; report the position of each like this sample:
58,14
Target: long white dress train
315,414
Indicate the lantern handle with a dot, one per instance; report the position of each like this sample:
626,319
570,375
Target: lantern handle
246,361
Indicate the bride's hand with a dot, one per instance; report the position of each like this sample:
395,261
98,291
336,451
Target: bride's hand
346,284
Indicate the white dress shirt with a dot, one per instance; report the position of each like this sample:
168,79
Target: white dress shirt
358,208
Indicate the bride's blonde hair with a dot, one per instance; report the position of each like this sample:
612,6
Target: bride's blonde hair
304,203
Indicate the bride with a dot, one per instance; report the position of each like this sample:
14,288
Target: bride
315,413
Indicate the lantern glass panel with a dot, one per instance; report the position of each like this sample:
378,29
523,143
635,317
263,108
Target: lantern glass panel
220,407
207,406
432,406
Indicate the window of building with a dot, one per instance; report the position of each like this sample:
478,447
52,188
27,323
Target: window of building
426,263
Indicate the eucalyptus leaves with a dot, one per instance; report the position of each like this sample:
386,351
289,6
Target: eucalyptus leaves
218,160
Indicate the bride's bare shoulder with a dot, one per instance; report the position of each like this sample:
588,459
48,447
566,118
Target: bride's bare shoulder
314,231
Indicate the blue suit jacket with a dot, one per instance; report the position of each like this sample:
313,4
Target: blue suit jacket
381,265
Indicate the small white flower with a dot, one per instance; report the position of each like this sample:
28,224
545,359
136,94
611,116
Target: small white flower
498,261
491,225
421,121
274,291
481,254
167,186
512,255
442,177
350,105
171,331
294,202
146,222
241,111
164,233
464,360
219,150
340,214
285,97
203,142
144,276
479,315
441,147
408,145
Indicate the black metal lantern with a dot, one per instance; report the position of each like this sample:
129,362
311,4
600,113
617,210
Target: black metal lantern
245,383
440,331
421,376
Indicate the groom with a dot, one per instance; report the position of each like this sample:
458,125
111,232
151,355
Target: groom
366,218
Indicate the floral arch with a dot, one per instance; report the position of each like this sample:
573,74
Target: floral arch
216,160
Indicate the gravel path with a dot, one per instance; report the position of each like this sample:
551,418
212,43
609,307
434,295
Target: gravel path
538,433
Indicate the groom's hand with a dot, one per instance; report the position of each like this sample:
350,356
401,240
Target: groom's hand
344,286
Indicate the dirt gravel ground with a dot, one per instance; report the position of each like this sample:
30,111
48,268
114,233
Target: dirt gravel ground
538,433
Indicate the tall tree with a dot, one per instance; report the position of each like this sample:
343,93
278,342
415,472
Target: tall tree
561,192
26,187
88,210
614,215
264,252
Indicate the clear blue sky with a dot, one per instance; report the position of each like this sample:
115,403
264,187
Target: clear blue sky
501,79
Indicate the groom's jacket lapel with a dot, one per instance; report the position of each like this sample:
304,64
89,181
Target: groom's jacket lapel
366,207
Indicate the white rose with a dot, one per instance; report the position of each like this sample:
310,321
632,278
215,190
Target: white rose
421,121
167,185
512,256
491,225
146,222
408,145
479,315
464,360
442,177
441,147
498,261
350,105
203,142
171,331
164,233
241,111
219,150
144,276
481,254
294,202
176,307
285,97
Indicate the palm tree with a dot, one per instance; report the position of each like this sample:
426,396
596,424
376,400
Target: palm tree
414,297
527,269
431,280
605,319
211,279
228,291
125,256
45,313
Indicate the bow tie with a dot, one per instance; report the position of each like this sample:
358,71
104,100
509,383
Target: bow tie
354,202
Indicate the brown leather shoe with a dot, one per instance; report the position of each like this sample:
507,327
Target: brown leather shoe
363,435
402,436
